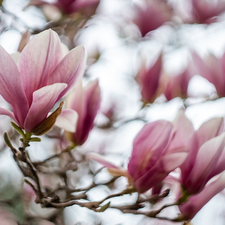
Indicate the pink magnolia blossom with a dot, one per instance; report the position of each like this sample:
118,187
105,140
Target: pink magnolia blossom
71,6
152,15
148,79
177,86
151,160
206,151
204,11
213,69
41,77
86,102
190,208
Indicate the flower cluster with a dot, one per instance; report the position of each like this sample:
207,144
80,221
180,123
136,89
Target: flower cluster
161,147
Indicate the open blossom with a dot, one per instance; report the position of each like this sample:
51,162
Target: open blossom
206,151
153,14
41,77
148,79
204,11
86,102
151,160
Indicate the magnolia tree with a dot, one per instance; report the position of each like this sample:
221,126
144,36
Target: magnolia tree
112,112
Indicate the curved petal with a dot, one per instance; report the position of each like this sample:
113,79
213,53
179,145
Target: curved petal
43,101
70,69
206,160
160,170
184,132
184,137
210,129
100,159
38,59
7,113
11,87
219,166
67,120
149,145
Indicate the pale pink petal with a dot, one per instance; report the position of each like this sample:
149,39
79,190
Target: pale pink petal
43,101
217,74
11,87
184,132
219,166
100,159
70,69
210,129
38,59
7,113
206,159
184,137
171,161
67,120
160,170
201,67
149,145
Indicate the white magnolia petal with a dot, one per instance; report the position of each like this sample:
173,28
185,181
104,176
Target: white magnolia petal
67,120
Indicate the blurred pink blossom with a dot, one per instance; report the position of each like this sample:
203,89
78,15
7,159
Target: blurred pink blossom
151,160
148,79
86,102
41,77
205,11
153,14
71,6
177,86
213,69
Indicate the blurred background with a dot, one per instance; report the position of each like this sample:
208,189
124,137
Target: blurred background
178,44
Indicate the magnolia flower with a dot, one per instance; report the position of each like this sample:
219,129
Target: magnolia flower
148,79
151,160
152,15
204,11
40,78
196,202
206,151
86,102
177,86
69,6
213,69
